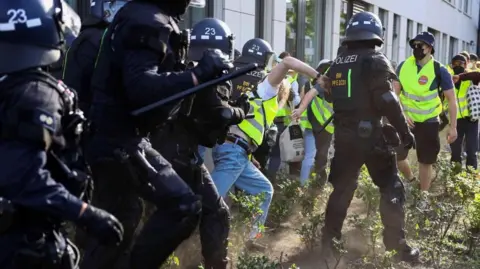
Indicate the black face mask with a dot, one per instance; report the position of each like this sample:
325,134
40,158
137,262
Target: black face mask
458,70
418,53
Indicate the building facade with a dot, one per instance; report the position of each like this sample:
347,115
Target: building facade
312,29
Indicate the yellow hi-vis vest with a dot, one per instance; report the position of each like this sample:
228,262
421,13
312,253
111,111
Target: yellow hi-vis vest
322,110
450,70
462,102
264,112
419,102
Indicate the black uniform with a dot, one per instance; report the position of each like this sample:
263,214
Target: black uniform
139,63
82,54
362,94
40,125
205,123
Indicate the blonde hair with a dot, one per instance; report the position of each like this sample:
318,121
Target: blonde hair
284,90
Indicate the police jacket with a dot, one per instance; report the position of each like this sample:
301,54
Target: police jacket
137,65
80,62
360,80
32,113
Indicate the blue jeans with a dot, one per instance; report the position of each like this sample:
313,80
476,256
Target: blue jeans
201,151
233,167
309,159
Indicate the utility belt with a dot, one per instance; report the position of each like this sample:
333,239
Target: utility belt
241,142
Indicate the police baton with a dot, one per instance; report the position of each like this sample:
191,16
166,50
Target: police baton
237,73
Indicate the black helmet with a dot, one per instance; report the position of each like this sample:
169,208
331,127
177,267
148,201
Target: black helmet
105,10
31,34
257,51
364,26
210,33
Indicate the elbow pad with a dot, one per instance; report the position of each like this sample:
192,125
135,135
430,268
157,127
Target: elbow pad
387,103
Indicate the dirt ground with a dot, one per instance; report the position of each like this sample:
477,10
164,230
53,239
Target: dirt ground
284,243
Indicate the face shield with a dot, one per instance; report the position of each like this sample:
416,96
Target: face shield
71,21
271,61
197,3
110,8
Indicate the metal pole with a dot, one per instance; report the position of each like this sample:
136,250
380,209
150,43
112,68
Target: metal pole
349,10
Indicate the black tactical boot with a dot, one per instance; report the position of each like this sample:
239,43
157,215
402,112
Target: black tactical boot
406,253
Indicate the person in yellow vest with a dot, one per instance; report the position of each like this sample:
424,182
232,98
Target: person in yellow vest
467,128
313,112
282,120
232,159
419,89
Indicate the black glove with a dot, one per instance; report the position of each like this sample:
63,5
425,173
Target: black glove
212,64
243,103
408,140
101,225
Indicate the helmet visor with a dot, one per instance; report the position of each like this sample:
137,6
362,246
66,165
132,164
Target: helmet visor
197,3
71,21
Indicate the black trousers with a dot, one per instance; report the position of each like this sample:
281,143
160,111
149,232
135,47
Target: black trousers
120,186
467,131
182,152
322,144
349,157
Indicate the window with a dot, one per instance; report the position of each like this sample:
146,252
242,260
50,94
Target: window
314,31
444,57
419,28
396,37
383,15
259,18
291,27
410,35
452,50
466,7
194,15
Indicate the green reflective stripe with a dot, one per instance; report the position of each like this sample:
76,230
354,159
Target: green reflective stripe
462,99
349,84
419,111
101,45
421,98
65,64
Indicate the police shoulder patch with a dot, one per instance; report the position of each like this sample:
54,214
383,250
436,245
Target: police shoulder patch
45,119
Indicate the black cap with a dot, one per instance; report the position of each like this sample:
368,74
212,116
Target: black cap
426,38
473,57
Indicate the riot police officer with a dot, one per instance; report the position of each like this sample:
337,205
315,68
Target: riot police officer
359,81
69,34
141,61
255,50
205,123
39,121
81,56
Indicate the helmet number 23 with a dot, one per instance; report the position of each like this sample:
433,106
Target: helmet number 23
17,16
210,31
